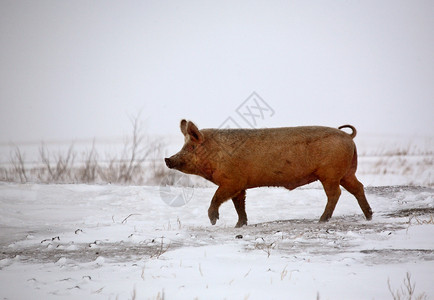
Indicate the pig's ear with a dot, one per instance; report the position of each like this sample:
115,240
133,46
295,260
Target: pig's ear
194,133
183,127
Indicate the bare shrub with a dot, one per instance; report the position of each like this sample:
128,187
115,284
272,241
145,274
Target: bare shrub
88,173
61,171
107,173
157,165
407,291
4,174
131,166
17,162
16,170
141,161
134,154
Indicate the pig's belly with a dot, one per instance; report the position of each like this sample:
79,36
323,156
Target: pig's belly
287,179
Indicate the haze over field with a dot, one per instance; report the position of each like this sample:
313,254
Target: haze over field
75,70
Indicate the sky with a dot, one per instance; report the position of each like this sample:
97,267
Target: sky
80,69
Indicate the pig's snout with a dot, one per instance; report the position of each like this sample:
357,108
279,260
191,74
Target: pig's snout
169,163
175,162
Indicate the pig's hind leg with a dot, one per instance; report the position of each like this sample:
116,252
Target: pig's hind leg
221,195
240,206
355,187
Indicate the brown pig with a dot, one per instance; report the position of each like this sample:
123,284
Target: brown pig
240,159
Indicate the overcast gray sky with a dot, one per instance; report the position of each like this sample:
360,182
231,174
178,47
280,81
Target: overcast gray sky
77,69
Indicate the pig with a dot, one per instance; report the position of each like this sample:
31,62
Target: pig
240,159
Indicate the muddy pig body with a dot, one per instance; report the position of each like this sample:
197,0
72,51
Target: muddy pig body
240,159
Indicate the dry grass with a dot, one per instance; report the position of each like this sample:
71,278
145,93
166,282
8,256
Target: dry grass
266,247
161,249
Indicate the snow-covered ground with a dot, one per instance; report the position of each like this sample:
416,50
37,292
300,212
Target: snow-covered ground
125,242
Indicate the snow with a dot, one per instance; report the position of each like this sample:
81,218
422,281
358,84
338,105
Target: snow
125,242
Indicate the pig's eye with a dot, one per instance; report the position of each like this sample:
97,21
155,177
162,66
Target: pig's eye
189,147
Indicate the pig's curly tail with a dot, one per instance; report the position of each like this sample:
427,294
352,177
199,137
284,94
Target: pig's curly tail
353,134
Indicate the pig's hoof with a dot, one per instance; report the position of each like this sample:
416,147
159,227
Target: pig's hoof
213,220
324,218
368,214
213,216
241,224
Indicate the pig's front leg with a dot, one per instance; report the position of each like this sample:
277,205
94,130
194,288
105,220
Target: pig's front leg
240,206
221,195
